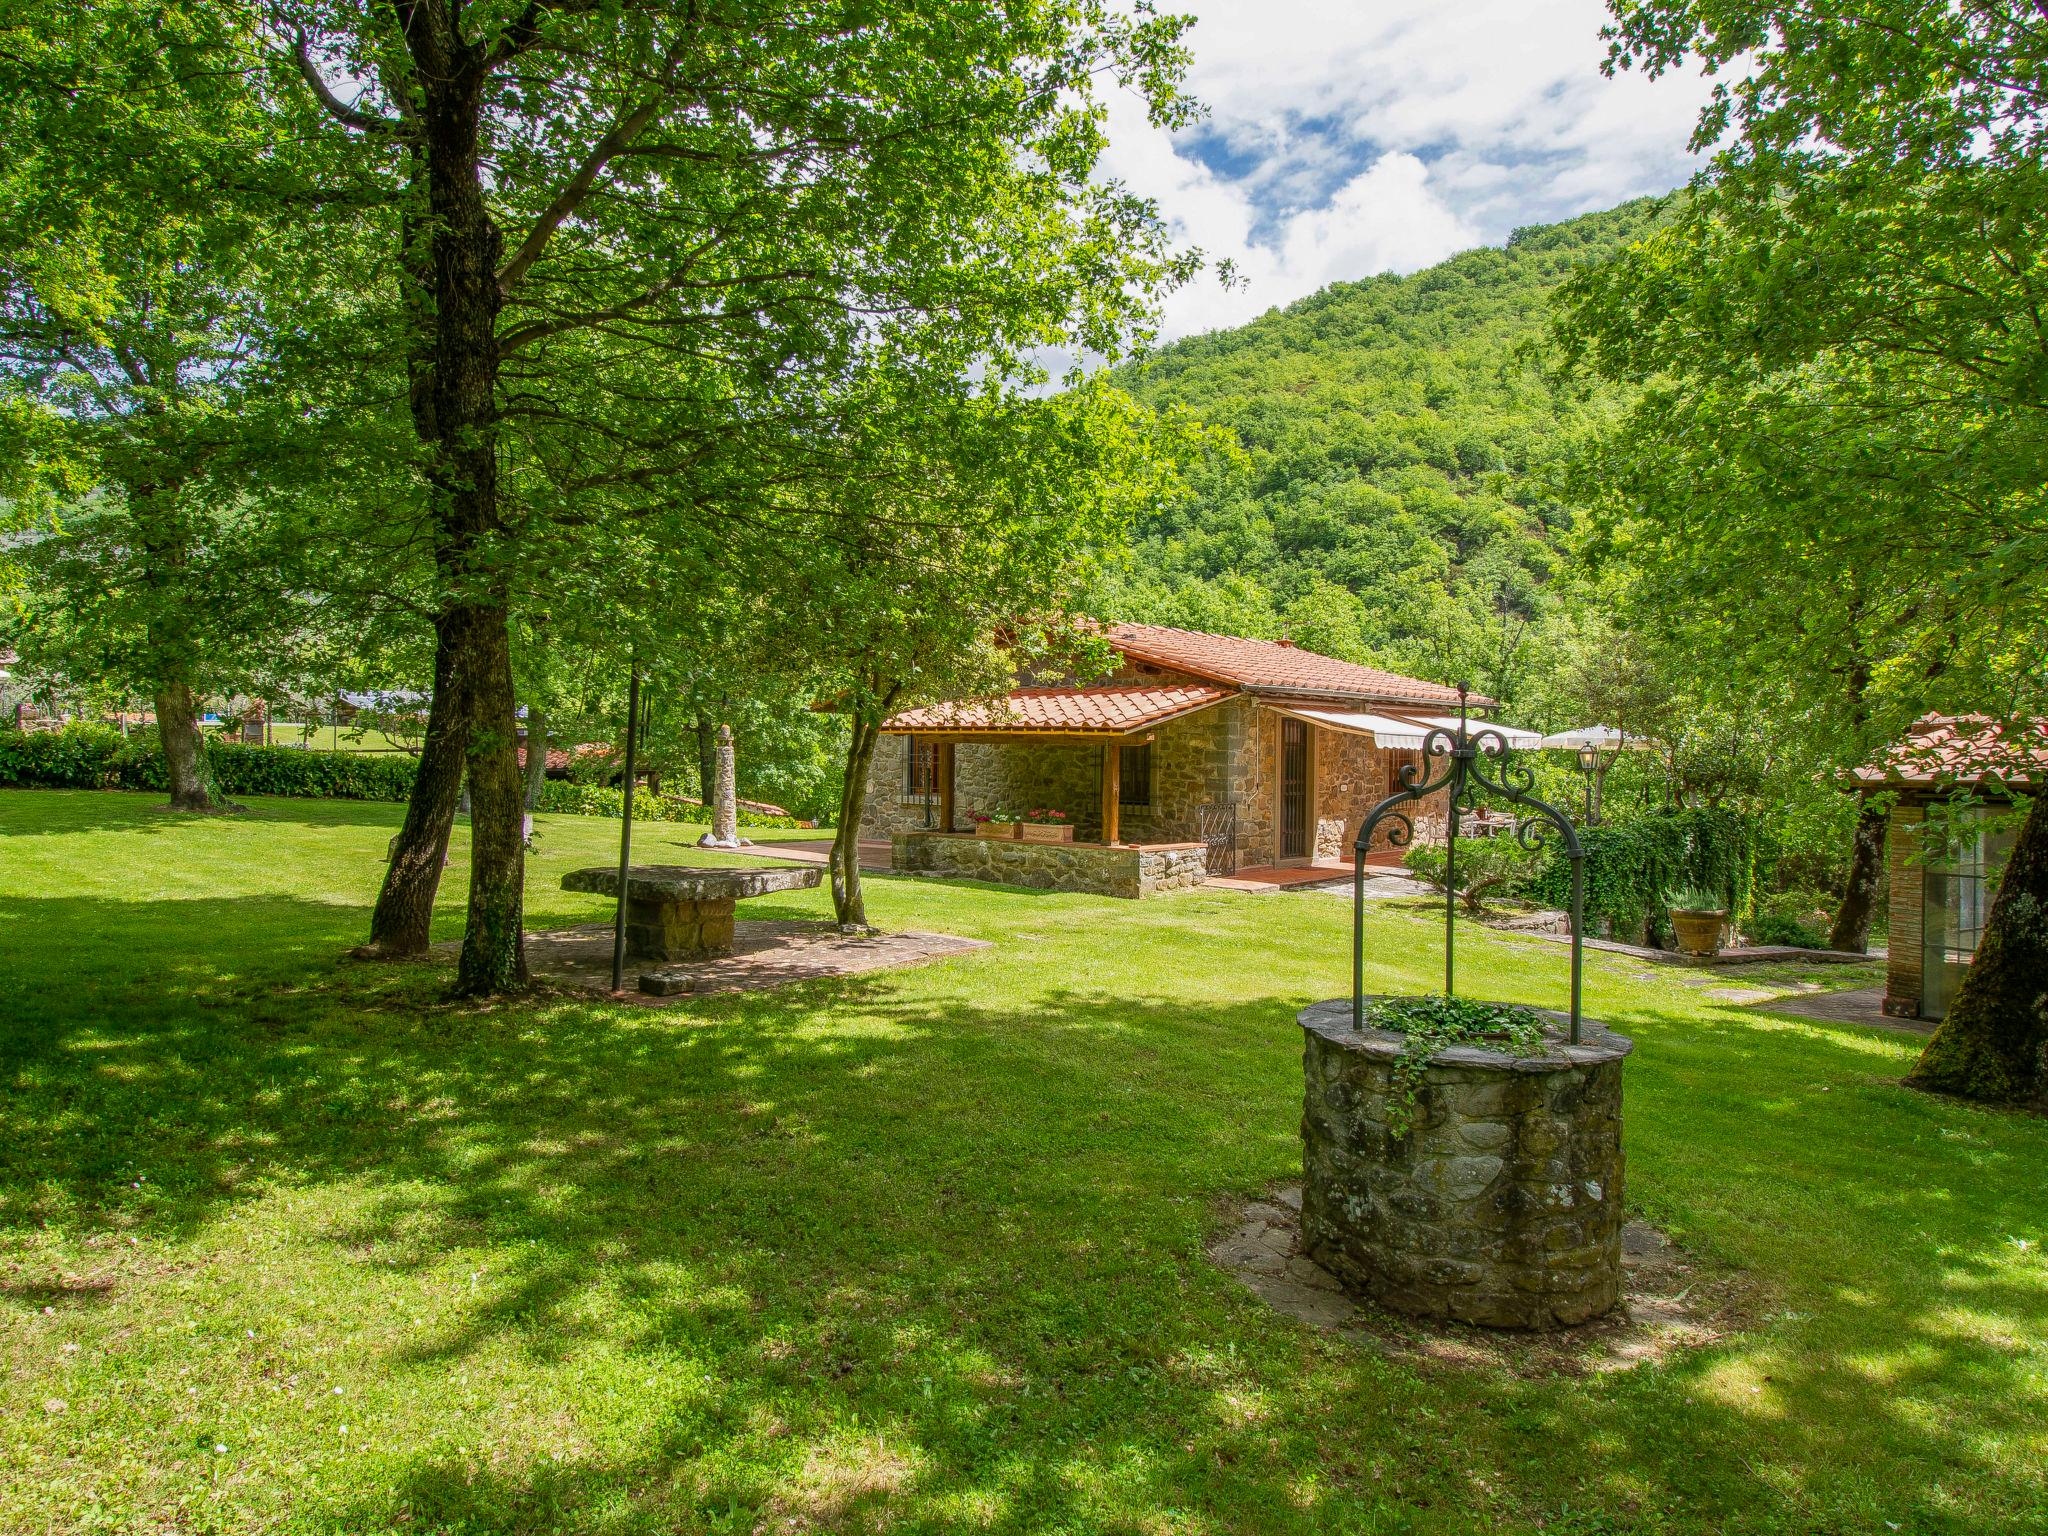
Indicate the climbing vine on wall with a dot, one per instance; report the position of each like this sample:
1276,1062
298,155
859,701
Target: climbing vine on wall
1632,865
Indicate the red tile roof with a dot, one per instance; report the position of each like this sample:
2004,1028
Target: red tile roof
1109,710
1277,666
1960,749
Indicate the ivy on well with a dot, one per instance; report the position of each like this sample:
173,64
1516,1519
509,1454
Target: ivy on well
1435,1023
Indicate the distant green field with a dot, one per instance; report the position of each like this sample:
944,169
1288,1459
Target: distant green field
289,1244
332,738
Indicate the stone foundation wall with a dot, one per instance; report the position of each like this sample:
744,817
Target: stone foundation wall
1503,1203
1131,872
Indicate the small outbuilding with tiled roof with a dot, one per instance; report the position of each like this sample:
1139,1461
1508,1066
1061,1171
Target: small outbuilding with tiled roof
1199,754
1952,782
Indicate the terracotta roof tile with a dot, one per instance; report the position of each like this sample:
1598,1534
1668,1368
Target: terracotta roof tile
1960,749
1274,665
1109,710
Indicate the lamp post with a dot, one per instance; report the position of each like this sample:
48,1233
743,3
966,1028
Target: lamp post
1589,765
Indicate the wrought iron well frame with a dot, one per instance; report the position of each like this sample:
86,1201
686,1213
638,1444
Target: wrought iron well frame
1465,751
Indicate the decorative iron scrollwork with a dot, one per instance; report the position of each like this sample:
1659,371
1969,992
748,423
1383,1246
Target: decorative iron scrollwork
1463,754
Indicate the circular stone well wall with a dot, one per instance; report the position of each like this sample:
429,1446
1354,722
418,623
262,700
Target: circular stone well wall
1502,1205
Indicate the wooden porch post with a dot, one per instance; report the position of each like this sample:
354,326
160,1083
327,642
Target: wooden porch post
1112,789
945,786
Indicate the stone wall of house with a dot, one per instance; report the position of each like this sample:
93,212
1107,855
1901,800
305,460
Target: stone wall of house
1353,775
988,776
1903,959
1501,1204
1088,868
1252,741
886,808
1023,775
1190,766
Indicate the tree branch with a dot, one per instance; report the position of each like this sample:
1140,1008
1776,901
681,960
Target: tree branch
623,132
341,111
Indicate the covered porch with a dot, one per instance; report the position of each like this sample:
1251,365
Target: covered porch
1105,790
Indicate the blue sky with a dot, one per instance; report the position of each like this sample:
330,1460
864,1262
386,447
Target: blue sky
1345,139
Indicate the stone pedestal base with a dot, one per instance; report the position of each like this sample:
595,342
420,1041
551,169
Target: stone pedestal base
679,930
1503,1203
677,912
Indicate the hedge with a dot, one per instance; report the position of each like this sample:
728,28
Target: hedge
600,800
100,757
1631,864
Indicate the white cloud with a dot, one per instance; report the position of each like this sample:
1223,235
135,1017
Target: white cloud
1384,135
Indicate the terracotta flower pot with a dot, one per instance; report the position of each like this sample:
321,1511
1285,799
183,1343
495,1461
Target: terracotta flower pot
1698,933
1006,831
1045,832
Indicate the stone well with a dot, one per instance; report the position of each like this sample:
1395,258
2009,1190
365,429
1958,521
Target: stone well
1503,1203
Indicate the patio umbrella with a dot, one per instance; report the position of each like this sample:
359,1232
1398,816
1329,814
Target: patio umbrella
1602,738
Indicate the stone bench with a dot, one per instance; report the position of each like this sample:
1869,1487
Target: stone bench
681,912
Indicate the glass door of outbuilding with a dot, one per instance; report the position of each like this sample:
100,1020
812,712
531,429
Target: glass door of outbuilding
1956,897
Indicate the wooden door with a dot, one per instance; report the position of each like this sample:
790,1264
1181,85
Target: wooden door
1294,789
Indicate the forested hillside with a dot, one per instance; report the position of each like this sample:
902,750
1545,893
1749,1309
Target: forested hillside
1390,505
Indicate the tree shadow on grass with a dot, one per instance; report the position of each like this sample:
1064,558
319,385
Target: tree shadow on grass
882,1249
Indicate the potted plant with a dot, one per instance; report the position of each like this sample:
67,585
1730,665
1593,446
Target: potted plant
1697,918
1046,826
996,823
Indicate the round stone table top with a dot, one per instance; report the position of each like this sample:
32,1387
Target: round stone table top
693,882
1597,1043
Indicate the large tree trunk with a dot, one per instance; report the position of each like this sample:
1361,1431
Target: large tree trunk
453,259
177,725
1991,1046
536,754
848,903
1851,933
493,943
404,916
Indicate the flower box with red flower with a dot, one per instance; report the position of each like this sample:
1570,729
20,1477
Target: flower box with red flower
1046,826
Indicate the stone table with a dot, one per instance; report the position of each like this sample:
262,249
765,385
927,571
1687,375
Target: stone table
683,912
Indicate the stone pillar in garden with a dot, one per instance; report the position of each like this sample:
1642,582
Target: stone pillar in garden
725,810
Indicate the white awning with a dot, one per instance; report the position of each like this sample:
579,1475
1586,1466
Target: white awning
1399,735
1384,730
1513,735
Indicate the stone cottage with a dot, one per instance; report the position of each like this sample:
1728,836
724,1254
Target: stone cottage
1951,781
1199,754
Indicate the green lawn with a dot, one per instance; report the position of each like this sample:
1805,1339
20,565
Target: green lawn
288,1244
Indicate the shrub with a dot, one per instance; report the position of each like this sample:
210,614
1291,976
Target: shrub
1631,864
1485,865
1799,918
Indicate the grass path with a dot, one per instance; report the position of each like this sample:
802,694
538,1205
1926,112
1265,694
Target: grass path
288,1244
